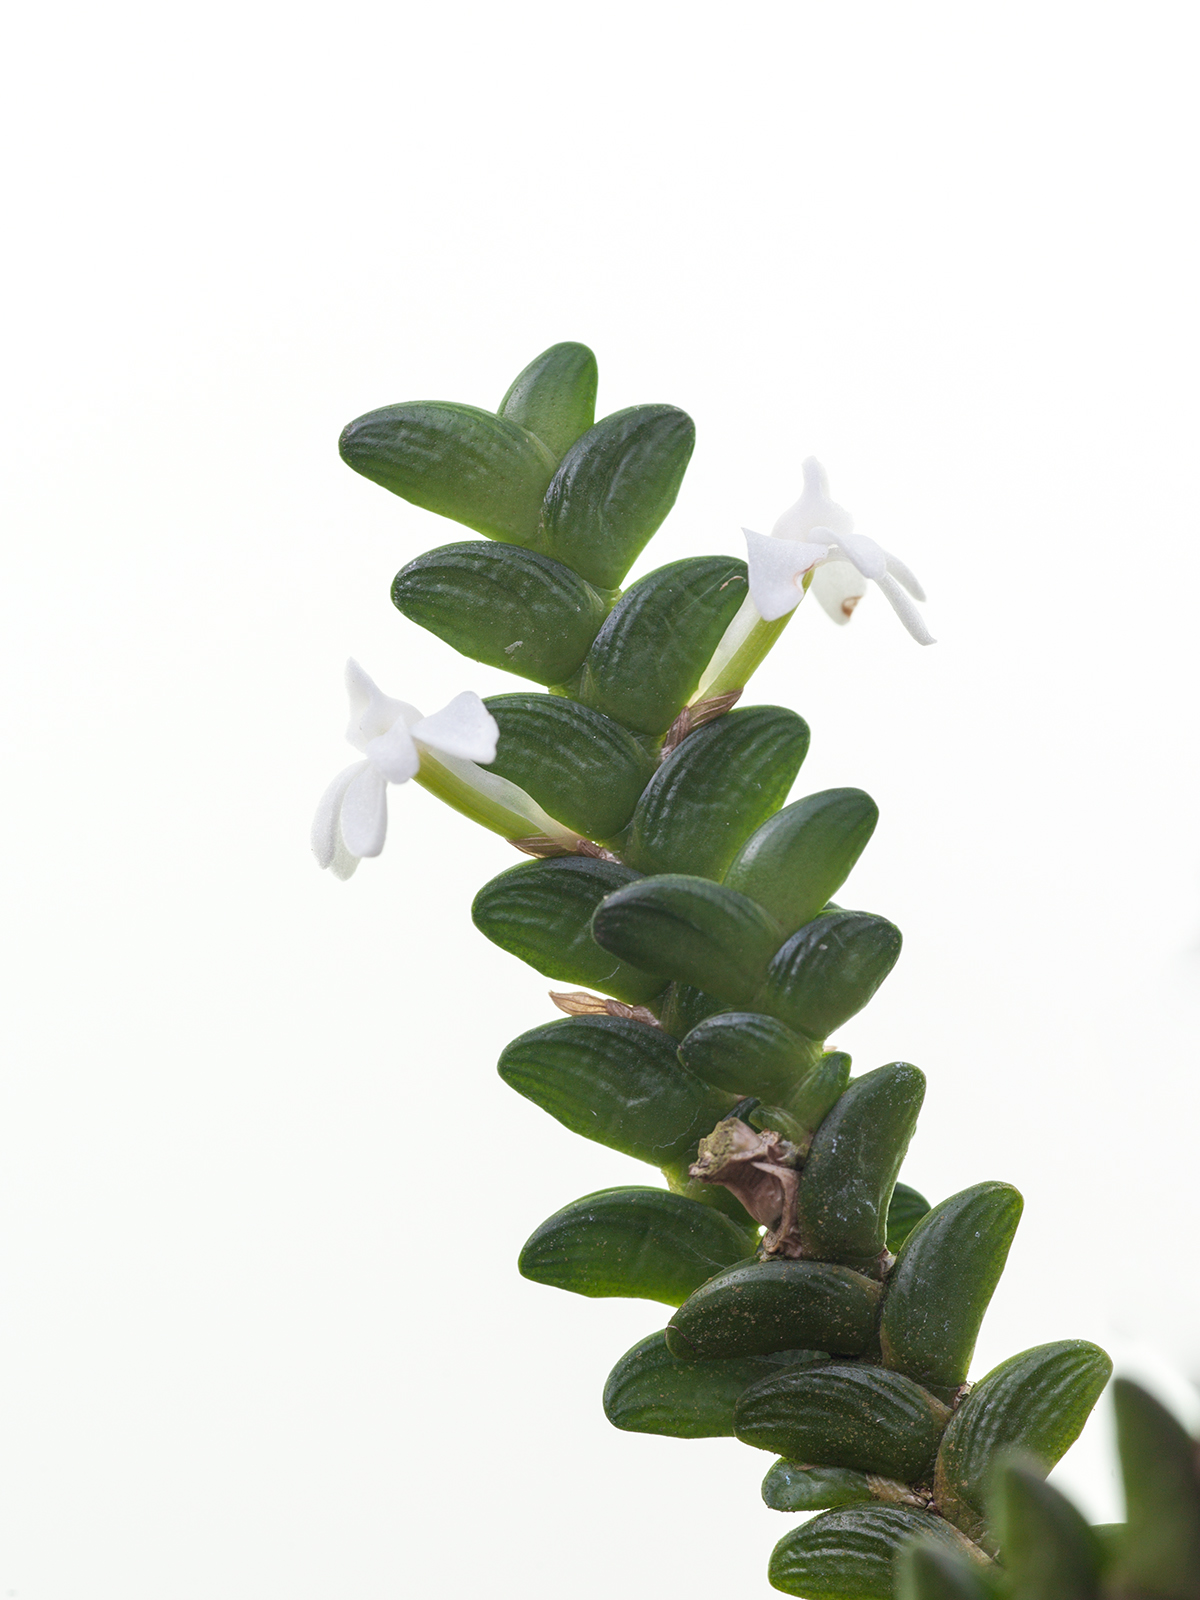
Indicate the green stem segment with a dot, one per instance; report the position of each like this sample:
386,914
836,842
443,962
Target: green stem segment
491,800
742,650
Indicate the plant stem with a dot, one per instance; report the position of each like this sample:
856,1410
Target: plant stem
490,800
742,649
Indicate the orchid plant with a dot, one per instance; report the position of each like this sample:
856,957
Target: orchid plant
821,1309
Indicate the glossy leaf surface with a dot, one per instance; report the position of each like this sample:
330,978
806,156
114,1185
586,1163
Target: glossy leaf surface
480,469
692,930
555,396
1049,1551
658,639
860,1417
646,1244
906,1210
791,1487
617,1082
762,1306
1160,1466
506,607
828,971
846,1186
613,489
942,1282
747,1053
850,1554
583,768
797,861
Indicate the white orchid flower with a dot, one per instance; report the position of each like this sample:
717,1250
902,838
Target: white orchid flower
351,820
816,536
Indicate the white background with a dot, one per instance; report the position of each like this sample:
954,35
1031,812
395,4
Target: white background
261,1190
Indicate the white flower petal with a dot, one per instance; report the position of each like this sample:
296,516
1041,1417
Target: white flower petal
371,711
464,728
364,812
867,556
906,576
905,610
839,586
326,836
776,568
814,509
394,754
343,865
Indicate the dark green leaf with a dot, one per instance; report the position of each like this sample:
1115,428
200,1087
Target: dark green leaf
482,470
1049,1551
646,1244
906,1210
761,1306
583,768
829,970
506,607
749,1053
658,639
691,930
942,1282
683,1008
651,1391
713,789
619,1083
541,911
613,489
928,1571
848,1178
1160,1466
795,862
850,1554
555,396
1037,1402
791,1487
860,1417
817,1094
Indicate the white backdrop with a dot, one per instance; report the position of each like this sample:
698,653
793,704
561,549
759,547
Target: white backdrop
261,1190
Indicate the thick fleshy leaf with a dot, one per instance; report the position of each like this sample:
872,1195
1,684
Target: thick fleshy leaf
506,607
758,1307
1049,1551
583,768
684,1008
817,1094
651,1391
906,1210
554,397
613,489
828,971
788,1486
848,1178
691,930
942,1282
799,858
714,790
1036,1402
658,639
861,1417
927,1570
617,1082
1160,1465
850,1554
482,470
541,911
646,1244
749,1054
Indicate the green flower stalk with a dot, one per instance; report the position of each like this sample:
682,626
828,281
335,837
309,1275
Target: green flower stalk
820,1309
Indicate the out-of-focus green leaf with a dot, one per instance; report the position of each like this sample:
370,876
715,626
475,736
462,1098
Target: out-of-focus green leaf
1049,1551
1160,1465
926,1570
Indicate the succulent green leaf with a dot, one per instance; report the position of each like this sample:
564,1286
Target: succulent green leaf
1049,1551
684,1008
613,489
850,1554
692,930
646,1244
583,768
617,1082
713,1195
1036,1402
713,789
791,1487
906,1210
799,858
541,911
860,1417
1160,1465
554,397
506,607
926,1570
848,1178
829,970
758,1307
747,1053
651,1391
658,639
942,1282
485,471
817,1094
